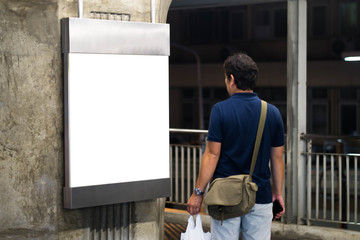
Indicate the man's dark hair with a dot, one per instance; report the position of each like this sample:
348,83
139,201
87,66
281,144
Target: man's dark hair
244,70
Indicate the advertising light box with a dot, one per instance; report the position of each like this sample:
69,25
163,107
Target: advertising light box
116,111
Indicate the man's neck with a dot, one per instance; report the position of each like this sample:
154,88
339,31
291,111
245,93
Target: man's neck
244,91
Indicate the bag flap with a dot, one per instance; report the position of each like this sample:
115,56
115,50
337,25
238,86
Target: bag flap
253,186
227,191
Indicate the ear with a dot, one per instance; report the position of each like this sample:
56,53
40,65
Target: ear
232,80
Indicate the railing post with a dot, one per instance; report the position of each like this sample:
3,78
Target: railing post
308,193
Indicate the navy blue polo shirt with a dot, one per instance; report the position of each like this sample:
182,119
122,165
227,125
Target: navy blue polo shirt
234,124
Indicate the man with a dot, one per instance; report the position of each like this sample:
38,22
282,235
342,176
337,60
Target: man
232,132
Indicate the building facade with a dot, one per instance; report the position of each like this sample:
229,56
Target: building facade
333,85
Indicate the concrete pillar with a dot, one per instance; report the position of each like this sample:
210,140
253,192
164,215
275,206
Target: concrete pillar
31,129
296,110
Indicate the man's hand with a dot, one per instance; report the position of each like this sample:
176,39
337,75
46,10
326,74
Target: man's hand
207,169
277,173
194,204
281,201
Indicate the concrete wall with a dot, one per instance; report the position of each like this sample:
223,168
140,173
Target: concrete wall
31,128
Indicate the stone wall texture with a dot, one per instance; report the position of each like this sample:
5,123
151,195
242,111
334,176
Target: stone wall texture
31,123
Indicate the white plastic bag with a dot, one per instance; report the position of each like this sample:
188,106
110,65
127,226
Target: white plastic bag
195,231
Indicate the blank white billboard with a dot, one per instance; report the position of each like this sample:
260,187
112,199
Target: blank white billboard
118,118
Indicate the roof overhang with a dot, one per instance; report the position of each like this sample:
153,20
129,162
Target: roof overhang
183,4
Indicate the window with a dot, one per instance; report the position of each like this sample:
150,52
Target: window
272,94
318,110
349,18
208,26
348,93
220,93
190,105
212,96
201,27
280,23
221,26
262,24
188,93
270,21
278,94
237,25
319,17
348,119
319,123
188,108
349,110
319,93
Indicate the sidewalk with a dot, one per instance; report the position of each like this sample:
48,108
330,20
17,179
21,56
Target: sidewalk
176,222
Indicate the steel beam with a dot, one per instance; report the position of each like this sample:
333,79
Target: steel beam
296,110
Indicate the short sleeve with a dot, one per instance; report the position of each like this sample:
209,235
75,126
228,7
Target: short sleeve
278,133
215,130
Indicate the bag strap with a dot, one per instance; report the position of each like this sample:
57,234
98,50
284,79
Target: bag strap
258,136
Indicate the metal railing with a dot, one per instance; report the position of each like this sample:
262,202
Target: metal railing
333,181
185,160
332,175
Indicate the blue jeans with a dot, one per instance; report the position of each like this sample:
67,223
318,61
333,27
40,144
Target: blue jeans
256,225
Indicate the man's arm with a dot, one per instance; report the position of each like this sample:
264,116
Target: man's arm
207,169
277,174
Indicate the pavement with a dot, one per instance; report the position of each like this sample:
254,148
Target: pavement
173,232
176,222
